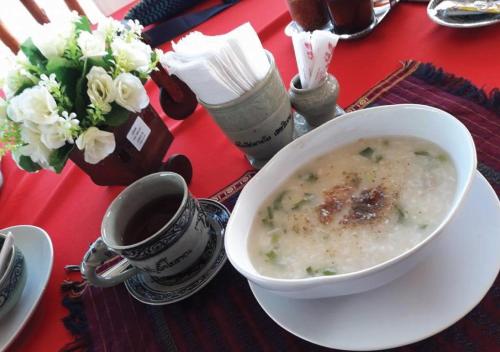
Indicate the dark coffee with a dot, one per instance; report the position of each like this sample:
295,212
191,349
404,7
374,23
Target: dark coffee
150,218
350,16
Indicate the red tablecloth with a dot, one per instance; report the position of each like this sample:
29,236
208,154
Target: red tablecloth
70,207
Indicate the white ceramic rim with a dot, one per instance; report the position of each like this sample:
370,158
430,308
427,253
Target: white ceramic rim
130,189
298,284
45,279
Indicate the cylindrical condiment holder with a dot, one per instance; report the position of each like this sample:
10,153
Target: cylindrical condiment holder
260,121
318,104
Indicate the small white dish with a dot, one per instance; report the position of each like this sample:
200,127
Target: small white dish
39,256
411,120
427,300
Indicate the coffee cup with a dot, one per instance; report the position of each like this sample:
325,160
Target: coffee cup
155,225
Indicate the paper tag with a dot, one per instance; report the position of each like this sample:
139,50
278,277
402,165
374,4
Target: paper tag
138,134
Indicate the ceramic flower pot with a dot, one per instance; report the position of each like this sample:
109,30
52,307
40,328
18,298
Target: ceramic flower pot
141,144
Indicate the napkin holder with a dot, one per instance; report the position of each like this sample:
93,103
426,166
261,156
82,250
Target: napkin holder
260,121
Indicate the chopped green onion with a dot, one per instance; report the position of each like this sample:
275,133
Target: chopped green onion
442,157
270,214
378,158
401,213
271,256
422,153
367,152
275,239
268,222
307,198
310,271
423,226
311,177
329,272
278,202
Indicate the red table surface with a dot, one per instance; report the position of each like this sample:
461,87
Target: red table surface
70,207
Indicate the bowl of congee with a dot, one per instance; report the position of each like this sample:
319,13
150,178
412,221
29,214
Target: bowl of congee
353,204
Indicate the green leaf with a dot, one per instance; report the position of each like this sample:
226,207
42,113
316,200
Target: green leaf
58,157
28,165
367,152
83,24
101,62
25,85
67,72
117,116
81,98
34,55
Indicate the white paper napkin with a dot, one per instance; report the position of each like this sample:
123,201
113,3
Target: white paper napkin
218,68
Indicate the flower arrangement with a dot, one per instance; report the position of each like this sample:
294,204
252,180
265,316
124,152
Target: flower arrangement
68,86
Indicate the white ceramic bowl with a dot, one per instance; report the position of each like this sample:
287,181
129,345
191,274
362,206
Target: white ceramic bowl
395,120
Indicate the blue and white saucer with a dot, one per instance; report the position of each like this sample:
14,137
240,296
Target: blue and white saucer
178,287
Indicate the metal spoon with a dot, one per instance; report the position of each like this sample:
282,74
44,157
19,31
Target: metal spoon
467,20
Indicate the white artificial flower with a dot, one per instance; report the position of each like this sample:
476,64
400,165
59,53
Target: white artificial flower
49,82
34,148
131,56
130,92
34,104
16,74
92,44
96,144
52,39
100,88
135,27
56,135
109,27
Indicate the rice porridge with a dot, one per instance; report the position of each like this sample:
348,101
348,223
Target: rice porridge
351,209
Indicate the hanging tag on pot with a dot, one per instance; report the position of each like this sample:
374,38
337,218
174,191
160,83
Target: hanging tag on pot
138,134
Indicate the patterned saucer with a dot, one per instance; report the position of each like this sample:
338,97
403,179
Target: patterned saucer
154,291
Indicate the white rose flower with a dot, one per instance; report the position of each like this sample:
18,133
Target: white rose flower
133,55
92,44
52,39
130,92
100,88
34,148
96,144
34,104
56,135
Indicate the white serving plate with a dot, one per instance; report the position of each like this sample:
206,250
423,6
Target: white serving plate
38,253
430,298
412,120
